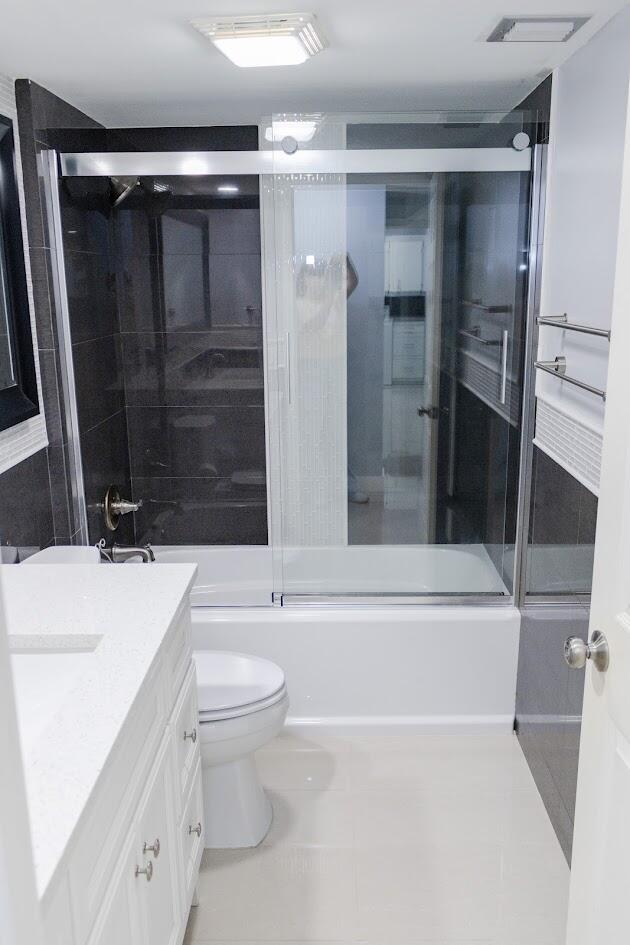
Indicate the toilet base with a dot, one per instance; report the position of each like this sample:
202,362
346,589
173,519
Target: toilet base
237,811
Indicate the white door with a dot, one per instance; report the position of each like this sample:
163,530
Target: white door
599,906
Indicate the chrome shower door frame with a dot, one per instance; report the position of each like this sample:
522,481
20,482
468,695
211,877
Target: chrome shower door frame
266,164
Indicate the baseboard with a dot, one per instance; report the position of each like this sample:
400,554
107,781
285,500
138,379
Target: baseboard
402,724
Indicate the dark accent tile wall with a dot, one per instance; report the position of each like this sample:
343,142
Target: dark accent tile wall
165,316
86,211
562,531
204,511
549,708
105,454
35,501
190,308
210,138
25,502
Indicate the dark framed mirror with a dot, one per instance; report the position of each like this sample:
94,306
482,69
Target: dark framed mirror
18,380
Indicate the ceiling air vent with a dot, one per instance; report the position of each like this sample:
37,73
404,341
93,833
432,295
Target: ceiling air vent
536,29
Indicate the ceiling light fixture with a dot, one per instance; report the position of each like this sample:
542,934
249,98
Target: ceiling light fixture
536,29
277,39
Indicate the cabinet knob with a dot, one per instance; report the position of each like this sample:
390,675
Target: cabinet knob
153,848
191,735
196,830
147,871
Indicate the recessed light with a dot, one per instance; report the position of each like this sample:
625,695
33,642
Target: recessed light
536,29
277,39
227,189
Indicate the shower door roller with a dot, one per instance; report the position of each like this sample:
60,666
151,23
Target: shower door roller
577,651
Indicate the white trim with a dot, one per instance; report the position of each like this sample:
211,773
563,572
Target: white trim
402,725
380,161
29,437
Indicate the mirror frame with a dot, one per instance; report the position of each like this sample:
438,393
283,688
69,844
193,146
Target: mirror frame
21,401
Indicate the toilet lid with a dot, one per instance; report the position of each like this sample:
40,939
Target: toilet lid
227,682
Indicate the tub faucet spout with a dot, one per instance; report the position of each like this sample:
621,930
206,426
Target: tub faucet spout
118,554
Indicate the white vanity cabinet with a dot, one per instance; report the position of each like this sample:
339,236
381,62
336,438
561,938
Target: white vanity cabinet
129,873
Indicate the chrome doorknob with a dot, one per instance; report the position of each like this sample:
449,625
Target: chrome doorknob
577,651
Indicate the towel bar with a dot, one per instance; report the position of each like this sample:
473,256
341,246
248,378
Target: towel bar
558,368
561,321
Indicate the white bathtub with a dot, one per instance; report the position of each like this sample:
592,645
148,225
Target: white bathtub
446,669
244,576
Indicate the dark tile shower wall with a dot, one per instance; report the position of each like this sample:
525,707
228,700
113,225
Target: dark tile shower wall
549,709
35,499
562,531
190,311
86,211
549,694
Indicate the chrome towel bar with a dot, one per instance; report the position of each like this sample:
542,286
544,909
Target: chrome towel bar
558,368
561,321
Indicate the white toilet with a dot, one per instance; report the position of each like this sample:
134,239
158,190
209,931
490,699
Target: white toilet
243,703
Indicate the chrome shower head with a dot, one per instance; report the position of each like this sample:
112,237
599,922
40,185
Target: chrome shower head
122,187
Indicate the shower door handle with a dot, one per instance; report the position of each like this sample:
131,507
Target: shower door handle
504,360
431,412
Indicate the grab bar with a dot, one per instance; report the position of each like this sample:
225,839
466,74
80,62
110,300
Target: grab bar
476,337
487,309
558,367
561,321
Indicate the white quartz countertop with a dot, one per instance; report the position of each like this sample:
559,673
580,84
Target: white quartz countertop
83,638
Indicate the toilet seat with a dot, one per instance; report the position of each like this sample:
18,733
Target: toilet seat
230,685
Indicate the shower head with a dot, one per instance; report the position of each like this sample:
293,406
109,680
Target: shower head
121,187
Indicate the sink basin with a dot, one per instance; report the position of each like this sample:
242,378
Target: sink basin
42,681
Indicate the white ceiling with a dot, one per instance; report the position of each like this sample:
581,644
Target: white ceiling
138,62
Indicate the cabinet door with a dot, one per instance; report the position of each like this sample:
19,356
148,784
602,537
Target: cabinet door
118,920
156,851
191,836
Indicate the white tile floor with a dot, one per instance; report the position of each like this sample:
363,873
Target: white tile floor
391,840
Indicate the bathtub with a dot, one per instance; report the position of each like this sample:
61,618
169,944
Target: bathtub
244,576
361,668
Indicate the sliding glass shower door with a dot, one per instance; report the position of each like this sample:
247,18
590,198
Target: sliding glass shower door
394,260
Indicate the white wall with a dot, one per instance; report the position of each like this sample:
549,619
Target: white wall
588,117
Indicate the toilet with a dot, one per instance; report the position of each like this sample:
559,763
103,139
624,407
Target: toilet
243,703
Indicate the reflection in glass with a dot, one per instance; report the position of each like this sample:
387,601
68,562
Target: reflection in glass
399,314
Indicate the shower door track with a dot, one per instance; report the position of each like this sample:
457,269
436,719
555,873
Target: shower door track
477,599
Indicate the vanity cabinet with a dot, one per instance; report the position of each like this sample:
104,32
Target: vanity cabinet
118,919
129,874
